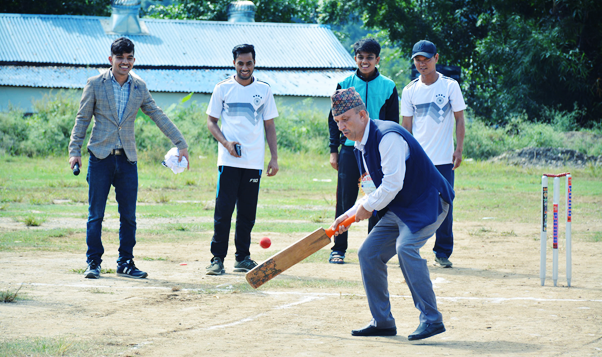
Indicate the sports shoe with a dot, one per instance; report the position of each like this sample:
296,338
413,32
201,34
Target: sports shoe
93,271
245,265
443,262
216,267
128,269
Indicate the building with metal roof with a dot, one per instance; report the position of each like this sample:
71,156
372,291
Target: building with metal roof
39,53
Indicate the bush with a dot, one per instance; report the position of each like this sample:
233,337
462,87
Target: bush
302,128
46,132
484,141
299,128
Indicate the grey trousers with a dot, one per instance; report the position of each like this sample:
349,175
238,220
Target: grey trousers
389,237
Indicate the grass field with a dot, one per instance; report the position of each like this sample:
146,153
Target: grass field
43,209
36,190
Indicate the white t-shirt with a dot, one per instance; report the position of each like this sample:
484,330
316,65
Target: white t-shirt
433,108
242,109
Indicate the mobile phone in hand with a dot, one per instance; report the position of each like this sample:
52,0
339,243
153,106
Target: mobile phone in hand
237,149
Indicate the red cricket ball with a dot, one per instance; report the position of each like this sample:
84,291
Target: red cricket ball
265,242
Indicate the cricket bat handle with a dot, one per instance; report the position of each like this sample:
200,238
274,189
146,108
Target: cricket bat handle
345,223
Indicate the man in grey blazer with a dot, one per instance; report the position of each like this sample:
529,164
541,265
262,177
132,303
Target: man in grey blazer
113,98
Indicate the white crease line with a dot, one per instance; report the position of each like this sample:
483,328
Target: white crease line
449,298
247,319
446,298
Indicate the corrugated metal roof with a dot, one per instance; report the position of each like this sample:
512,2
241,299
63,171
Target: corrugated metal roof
316,83
81,40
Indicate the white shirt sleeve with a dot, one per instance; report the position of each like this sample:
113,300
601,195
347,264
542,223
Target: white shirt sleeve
455,97
215,106
270,111
393,153
406,109
392,149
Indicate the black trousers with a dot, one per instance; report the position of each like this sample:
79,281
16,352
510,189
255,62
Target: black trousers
444,242
347,192
235,187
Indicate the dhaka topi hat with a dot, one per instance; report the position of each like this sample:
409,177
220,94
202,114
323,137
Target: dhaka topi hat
345,99
424,48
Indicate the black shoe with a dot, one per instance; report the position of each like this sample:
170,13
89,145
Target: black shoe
245,265
93,271
129,270
425,330
373,331
443,262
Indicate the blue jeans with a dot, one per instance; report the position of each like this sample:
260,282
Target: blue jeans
113,170
444,242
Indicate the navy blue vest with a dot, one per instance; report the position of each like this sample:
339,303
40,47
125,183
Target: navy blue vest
417,204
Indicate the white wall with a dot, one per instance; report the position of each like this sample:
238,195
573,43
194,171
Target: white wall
22,97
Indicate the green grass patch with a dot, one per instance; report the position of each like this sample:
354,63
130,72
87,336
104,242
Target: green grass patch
298,200
60,346
10,296
32,221
39,239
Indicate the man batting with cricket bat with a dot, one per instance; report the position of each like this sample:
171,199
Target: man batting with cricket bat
411,198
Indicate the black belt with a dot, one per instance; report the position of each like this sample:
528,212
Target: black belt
117,152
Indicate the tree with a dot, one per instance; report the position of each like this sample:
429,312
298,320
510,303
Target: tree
517,56
217,10
57,7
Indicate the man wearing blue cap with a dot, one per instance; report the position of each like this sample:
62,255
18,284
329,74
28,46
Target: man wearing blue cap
411,198
428,106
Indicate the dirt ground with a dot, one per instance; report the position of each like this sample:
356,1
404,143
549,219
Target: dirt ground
492,302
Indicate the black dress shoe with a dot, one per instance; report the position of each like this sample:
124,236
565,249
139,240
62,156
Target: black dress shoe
373,331
425,330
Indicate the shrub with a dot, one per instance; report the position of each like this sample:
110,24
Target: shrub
299,128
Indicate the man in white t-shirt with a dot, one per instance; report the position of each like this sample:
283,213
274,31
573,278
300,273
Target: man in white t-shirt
429,105
246,107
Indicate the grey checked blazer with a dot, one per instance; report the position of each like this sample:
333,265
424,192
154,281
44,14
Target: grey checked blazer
98,100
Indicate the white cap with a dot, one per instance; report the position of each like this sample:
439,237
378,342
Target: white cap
171,161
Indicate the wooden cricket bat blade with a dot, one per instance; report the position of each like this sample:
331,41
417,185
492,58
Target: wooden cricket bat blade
288,257
292,255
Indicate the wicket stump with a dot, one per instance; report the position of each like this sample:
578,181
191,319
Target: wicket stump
544,234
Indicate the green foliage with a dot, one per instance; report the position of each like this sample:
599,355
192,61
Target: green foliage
57,7
484,141
518,58
302,129
45,132
299,128
217,10
192,122
32,221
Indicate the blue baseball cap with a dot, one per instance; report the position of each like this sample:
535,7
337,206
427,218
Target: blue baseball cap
424,48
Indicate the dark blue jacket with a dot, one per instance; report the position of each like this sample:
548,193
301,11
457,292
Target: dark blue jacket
417,204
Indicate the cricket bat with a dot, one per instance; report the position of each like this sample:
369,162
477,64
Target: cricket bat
292,255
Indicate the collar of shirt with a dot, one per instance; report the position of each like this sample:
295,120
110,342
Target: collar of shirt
114,80
361,76
360,144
